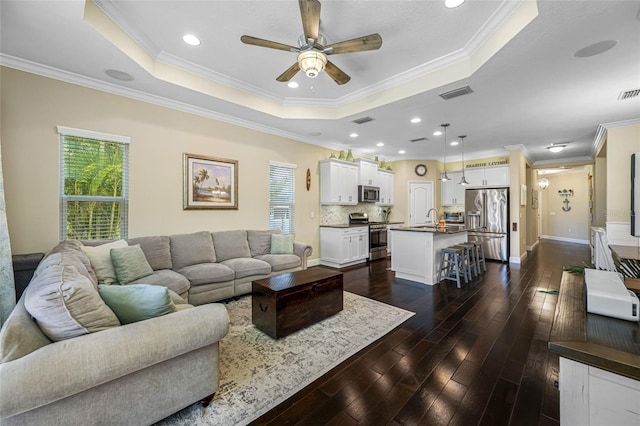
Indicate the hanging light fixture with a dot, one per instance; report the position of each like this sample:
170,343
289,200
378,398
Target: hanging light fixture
312,62
543,183
463,181
445,177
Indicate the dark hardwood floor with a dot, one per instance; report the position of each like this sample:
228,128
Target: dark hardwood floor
476,355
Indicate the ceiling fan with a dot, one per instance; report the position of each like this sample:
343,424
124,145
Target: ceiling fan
312,49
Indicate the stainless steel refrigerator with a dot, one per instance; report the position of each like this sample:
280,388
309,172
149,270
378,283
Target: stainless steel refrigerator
488,217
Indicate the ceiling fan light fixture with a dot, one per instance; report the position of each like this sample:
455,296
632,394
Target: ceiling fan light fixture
312,62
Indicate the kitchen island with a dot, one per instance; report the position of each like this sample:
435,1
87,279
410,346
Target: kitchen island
416,250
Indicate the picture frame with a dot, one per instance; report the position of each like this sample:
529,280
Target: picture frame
534,198
209,182
523,195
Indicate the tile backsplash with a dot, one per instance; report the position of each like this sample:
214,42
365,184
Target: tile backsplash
336,215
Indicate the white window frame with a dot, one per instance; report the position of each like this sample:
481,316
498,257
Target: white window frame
287,227
64,131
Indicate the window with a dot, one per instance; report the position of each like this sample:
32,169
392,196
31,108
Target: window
94,172
282,197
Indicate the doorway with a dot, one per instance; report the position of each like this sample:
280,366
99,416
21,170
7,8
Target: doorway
420,202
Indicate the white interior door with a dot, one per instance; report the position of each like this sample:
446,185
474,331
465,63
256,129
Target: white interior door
420,201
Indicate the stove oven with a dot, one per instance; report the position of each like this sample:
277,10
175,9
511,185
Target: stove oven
377,235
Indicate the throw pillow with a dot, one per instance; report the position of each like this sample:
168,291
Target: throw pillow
281,244
137,302
130,263
100,257
65,304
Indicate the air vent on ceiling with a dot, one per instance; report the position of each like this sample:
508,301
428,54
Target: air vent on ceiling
363,120
419,140
456,92
628,94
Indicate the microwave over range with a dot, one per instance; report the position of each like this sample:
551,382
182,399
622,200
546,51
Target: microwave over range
368,194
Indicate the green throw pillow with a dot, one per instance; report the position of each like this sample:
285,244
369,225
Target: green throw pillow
137,302
130,263
281,244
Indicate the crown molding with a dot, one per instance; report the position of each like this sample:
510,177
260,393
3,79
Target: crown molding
601,132
563,161
520,147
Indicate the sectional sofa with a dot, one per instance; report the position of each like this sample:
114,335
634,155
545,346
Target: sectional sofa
65,357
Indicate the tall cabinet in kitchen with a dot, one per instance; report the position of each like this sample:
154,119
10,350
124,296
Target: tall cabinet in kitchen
338,182
386,182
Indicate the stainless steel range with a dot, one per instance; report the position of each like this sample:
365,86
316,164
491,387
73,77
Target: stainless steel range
377,235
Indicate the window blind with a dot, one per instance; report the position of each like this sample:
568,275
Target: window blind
94,176
282,197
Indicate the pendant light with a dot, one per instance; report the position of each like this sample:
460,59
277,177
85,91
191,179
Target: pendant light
445,177
463,181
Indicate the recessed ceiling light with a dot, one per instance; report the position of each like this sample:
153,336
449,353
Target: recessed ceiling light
379,144
191,40
453,3
293,84
437,133
353,135
119,75
454,143
402,151
416,120
595,49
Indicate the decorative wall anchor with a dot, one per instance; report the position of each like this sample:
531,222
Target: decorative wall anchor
566,194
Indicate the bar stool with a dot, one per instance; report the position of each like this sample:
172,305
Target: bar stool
480,256
452,261
470,259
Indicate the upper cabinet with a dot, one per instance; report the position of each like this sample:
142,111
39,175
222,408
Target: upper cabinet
386,181
367,172
338,182
487,176
452,193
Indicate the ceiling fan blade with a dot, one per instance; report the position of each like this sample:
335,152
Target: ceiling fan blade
360,44
336,73
310,12
288,74
267,43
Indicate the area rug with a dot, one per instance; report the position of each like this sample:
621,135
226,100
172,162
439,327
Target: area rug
257,372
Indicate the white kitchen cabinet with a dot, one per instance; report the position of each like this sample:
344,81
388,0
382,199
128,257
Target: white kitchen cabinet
487,176
452,193
338,182
340,247
386,182
367,172
591,396
389,228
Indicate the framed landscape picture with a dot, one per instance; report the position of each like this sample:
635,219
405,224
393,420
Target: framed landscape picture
210,183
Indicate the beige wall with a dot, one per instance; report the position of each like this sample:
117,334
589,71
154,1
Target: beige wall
621,143
571,225
404,171
32,106
600,188
517,213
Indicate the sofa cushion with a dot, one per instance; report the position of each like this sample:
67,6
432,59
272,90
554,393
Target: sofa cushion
281,262
231,245
157,250
137,302
65,258
247,267
166,278
281,244
260,241
130,264
100,257
20,335
207,273
191,249
74,247
65,304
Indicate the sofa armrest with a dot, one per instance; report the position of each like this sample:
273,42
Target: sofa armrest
302,250
67,367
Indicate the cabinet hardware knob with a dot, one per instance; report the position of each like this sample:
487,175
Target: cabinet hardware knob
263,308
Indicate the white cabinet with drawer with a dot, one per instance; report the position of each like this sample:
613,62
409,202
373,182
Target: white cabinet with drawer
340,247
487,176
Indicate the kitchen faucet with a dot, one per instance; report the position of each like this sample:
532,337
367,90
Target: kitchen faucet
437,216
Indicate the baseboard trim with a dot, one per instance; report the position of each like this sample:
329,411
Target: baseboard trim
533,246
313,262
566,240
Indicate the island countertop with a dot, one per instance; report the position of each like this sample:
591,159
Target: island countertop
607,343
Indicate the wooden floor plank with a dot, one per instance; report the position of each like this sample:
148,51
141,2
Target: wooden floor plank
472,355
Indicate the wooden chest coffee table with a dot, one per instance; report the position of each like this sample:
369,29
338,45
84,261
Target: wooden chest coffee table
286,303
